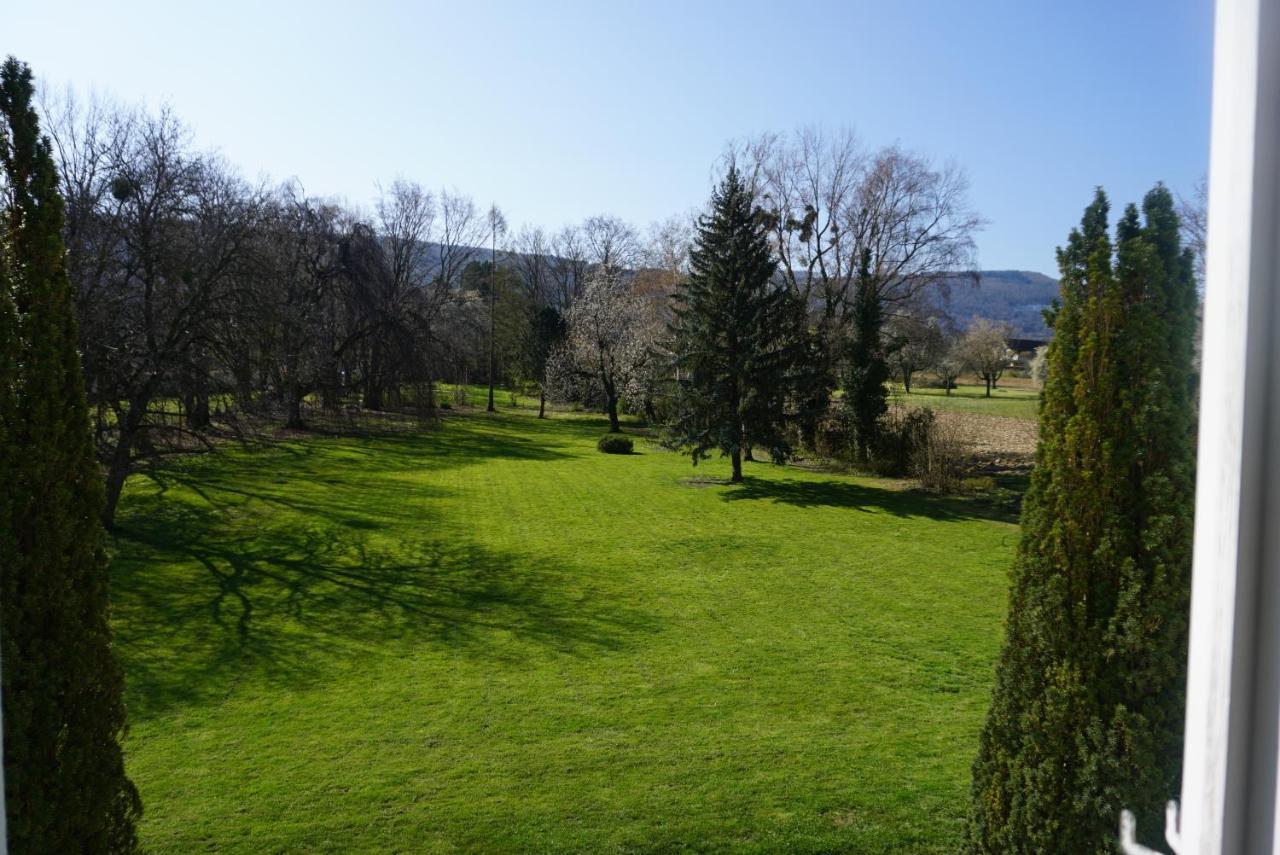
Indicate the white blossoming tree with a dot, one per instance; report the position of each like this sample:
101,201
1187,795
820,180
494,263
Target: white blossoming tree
607,345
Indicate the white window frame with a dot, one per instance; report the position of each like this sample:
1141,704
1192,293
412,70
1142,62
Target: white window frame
1230,758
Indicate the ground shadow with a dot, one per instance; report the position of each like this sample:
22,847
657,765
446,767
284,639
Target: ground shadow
849,494
211,587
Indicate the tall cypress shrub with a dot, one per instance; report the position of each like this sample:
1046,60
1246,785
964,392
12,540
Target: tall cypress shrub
65,785
1087,713
866,397
737,338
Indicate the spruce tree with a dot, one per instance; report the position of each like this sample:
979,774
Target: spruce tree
866,371
65,784
736,337
1087,713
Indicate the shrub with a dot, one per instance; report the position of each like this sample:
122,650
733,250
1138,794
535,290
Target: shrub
831,436
904,433
939,460
615,443
978,484
912,442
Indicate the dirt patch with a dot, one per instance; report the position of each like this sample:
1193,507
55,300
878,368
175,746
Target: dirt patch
994,443
705,481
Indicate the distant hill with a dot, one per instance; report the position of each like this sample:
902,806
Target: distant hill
1016,297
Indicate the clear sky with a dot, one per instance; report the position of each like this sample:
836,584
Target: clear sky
559,110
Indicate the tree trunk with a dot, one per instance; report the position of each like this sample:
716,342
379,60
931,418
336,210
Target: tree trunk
117,472
736,457
612,410
373,383
906,382
329,394
542,403
197,407
988,379
131,432
493,298
293,418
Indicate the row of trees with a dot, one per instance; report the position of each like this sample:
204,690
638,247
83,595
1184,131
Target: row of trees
204,297
917,344
859,244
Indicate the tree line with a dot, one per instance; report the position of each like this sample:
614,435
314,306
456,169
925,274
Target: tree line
205,298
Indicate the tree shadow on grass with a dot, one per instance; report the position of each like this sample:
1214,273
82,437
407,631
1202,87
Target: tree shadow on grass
848,494
322,475
205,598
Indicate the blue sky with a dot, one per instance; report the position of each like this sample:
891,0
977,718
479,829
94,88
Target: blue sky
560,110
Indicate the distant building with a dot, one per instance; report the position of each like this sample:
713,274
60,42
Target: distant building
1024,350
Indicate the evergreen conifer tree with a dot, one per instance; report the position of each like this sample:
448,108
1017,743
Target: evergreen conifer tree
65,784
867,370
736,337
1088,708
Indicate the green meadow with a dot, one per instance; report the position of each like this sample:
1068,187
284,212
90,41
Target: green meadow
488,636
1017,401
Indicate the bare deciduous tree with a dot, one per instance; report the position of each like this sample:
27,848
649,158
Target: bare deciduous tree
949,365
569,265
1193,215
984,348
298,306
611,243
531,256
913,343
461,232
161,243
838,213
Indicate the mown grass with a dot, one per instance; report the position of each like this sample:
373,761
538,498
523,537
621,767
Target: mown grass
491,637
1016,401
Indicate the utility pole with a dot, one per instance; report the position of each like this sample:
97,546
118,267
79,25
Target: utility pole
496,222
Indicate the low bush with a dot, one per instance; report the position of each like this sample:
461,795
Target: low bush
832,436
978,485
615,443
939,461
905,432
912,443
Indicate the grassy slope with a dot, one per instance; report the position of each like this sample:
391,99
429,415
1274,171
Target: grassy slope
494,638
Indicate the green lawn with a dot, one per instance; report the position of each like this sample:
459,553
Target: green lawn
1017,402
493,638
